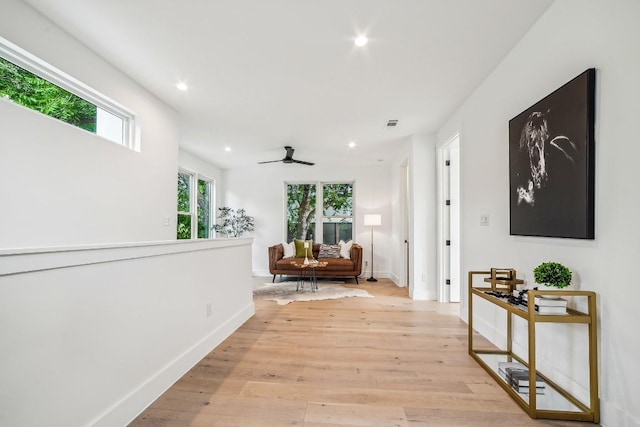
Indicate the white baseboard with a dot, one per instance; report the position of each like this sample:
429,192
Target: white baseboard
130,406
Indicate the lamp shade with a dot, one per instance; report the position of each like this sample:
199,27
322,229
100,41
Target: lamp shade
373,219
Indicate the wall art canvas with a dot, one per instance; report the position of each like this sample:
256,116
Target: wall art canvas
552,164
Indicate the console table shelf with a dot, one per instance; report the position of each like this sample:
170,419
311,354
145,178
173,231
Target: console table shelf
555,403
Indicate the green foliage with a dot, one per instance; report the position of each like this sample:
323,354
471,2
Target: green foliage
204,207
31,91
337,199
184,226
552,274
234,223
301,210
184,193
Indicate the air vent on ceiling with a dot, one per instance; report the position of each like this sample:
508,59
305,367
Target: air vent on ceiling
392,123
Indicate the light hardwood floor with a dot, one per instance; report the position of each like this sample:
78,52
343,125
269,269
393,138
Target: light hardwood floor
383,361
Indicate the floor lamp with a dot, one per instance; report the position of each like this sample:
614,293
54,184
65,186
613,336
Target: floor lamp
372,220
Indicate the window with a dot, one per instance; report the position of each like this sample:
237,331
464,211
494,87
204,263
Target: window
301,211
337,212
185,215
335,208
194,206
30,82
204,208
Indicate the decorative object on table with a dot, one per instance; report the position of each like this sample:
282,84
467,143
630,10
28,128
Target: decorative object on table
285,292
234,223
372,220
503,279
306,252
552,274
552,163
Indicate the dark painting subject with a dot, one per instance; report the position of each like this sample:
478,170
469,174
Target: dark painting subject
551,163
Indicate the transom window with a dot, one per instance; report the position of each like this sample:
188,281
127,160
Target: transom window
34,84
332,213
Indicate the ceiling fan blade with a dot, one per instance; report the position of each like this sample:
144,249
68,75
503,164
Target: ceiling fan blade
270,161
303,162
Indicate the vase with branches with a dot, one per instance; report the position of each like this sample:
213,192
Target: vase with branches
233,223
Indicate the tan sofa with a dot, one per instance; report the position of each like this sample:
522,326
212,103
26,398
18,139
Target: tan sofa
336,267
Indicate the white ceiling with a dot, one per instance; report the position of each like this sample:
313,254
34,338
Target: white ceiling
268,73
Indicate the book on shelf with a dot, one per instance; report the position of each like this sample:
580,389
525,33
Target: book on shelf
502,366
545,301
520,378
525,390
542,309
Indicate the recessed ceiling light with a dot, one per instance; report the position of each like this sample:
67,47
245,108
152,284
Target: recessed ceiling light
182,86
352,144
227,149
361,41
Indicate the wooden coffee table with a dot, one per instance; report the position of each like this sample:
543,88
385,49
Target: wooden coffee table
310,271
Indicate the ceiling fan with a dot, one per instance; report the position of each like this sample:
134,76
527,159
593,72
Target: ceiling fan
289,158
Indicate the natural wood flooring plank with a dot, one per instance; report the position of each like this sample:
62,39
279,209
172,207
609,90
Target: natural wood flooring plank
356,415
418,417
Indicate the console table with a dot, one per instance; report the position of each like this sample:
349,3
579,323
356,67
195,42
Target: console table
556,402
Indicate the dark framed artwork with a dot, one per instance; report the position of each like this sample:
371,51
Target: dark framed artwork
552,163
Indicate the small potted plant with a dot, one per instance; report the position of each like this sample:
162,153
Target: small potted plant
552,274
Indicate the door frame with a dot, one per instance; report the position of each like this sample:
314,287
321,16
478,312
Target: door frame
443,219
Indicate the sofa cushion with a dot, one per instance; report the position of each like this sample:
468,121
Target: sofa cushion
289,249
300,249
337,264
329,251
345,249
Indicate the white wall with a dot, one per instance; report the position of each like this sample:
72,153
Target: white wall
193,163
419,155
260,190
59,184
92,335
572,36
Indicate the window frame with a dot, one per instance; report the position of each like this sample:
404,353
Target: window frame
46,71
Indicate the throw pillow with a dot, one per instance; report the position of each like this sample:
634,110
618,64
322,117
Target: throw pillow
289,249
329,251
345,249
300,248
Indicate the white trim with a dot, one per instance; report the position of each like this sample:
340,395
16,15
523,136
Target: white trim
19,261
24,59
